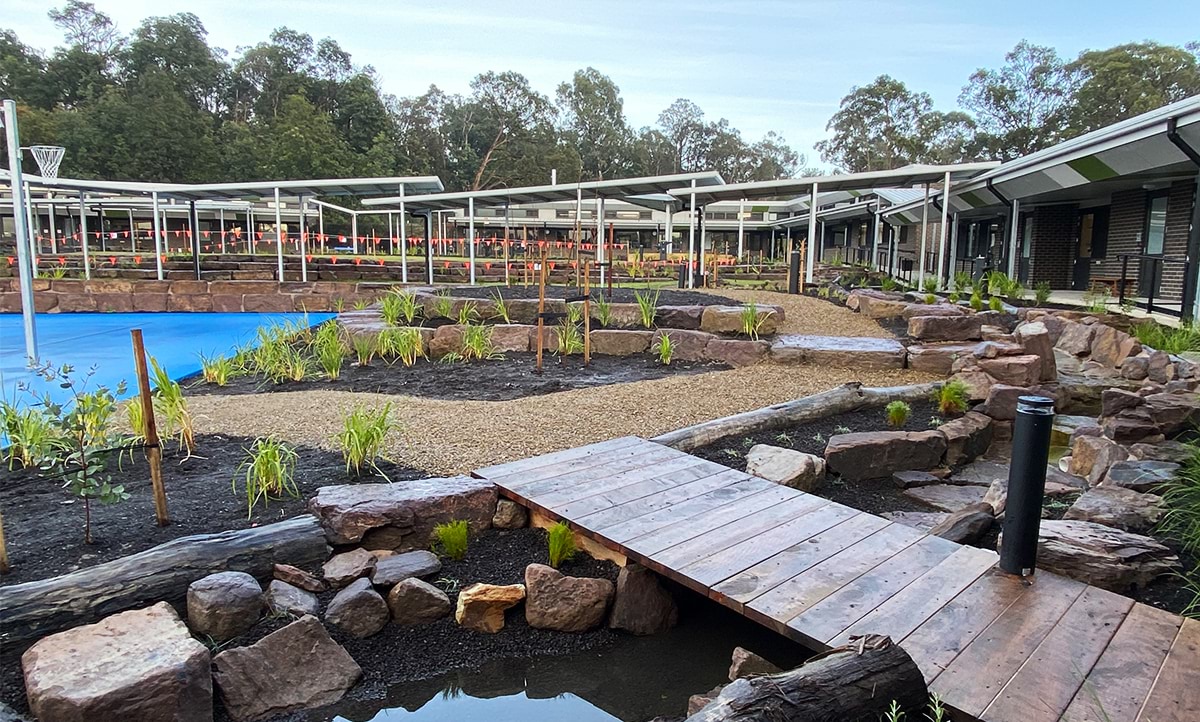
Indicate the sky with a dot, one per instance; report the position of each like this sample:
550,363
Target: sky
765,65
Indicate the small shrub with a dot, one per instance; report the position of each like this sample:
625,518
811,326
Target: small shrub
930,298
405,344
561,541
500,307
976,301
1164,338
1041,293
888,284
365,348
362,438
450,539
468,313
1096,300
603,311
362,304
443,305
665,349
953,297
477,344
389,309
217,369
647,307
841,429
824,292
30,434
295,365
569,338
752,320
267,473
330,351
998,283
818,438
995,304
936,421
177,418
897,413
952,398
929,285
962,281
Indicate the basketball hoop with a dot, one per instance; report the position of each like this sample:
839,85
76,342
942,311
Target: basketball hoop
48,158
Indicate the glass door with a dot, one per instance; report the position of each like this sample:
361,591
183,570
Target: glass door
1150,271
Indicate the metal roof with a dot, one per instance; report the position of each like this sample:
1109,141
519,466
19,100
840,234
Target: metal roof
616,188
791,187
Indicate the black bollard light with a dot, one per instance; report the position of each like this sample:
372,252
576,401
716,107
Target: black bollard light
1026,484
794,272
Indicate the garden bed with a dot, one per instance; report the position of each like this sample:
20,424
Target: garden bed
512,377
666,296
43,524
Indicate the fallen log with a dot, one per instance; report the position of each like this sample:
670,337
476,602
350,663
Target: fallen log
161,573
847,397
857,682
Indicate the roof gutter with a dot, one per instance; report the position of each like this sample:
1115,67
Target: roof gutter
996,192
1180,143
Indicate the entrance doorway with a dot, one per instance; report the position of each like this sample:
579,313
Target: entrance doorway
1150,271
1092,239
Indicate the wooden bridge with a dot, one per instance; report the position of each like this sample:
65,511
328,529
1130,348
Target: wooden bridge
991,645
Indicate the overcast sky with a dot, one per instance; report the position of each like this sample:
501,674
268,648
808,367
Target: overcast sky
763,64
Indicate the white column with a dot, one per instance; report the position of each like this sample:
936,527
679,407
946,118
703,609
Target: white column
391,236
924,229
953,243
600,239
403,240
132,232
221,216
741,229
670,230
471,235
877,238
303,244
34,242
354,232
941,270
810,261
25,271
250,231
158,254
278,236
703,239
321,226
53,225
87,263
691,274
1014,234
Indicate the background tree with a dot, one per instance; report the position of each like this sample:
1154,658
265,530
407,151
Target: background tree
877,127
591,116
1127,80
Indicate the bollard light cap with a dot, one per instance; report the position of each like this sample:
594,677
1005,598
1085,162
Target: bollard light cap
1035,404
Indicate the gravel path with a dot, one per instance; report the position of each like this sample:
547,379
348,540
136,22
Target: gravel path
449,437
815,316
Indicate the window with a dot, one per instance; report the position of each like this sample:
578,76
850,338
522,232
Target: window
1156,224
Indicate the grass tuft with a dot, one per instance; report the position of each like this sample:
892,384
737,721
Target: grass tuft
952,397
897,413
647,307
561,541
450,539
362,438
267,473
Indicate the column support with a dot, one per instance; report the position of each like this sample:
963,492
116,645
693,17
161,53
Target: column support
403,240
1013,234
811,251
924,233
83,233
941,267
158,239
278,236
741,229
471,235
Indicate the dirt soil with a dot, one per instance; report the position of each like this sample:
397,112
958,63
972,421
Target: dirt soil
44,525
512,377
666,296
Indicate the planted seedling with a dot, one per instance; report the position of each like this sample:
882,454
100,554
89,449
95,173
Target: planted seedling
976,301
952,398
647,307
405,344
665,349
467,313
177,417
267,473
477,344
603,311
995,304
30,433
362,438
443,305
897,413
500,307
450,539
389,309
929,285
561,542
930,299
217,369
841,429
365,348
330,351
888,284
752,320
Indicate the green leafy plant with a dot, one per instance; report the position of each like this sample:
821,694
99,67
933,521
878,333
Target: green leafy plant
443,305
936,421
329,350
953,297
176,416
752,320
887,283
569,338
30,433
561,541
267,473
1041,293
1096,300
1015,291
365,347
468,312
929,284
390,308
897,413
452,357
362,438
217,369
362,304
339,304
603,311
1164,338
450,539
930,298
894,713
961,281
824,292
841,429
818,438
500,307
665,349
998,283
976,301
405,344
952,397
995,304
647,307
477,344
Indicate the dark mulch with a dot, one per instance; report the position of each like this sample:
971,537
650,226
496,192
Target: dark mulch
43,524
512,377
666,297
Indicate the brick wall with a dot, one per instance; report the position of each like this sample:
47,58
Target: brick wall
1127,226
1179,219
1052,250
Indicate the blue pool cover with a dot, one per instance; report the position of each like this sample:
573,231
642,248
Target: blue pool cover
84,340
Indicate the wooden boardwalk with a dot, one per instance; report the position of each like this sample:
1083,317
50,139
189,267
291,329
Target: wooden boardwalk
991,646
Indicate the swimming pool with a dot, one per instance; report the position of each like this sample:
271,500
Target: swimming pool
84,340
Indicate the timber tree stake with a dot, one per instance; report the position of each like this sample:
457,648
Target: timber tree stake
153,449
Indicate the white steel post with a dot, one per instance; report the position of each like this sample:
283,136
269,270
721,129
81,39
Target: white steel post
670,230
953,243
703,238
221,214
403,240
21,230
87,261
132,230
354,232
600,238
877,238
924,233
34,233
691,274
278,236
321,226
250,245
941,269
811,251
158,239
53,224
741,229
471,235
1012,240
303,243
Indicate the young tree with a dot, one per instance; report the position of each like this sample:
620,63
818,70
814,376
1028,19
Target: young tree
1127,80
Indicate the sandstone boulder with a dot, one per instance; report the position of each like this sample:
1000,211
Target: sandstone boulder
223,605
978,383
511,337
936,309
875,454
642,605
391,570
1001,402
1110,346
1114,401
606,342
283,598
909,479
510,515
564,604
947,497
748,664
298,578
937,358
736,352
413,601
786,466
358,610
1100,555
481,607
967,437
922,520
1091,456
1139,476
139,665
1173,451
1174,412
446,339
839,351
1024,370
1117,507
291,669
686,317
341,569
1135,368
689,345
967,525
945,328
728,320
698,702
1035,338
1076,338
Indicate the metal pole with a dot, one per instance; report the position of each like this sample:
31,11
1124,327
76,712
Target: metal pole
354,232
132,232
600,238
954,242
471,235
53,224
941,269
1012,239
321,226
158,254
303,242
194,231
924,230
403,239
278,236
221,214
811,251
250,246
691,274
34,241
1026,484
741,229
670,230
429,246
703,238
83,231
21,229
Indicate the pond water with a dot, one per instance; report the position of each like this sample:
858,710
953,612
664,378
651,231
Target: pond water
633,680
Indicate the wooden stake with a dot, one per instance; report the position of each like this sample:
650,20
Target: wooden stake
541,269
587,313
4,567
153,450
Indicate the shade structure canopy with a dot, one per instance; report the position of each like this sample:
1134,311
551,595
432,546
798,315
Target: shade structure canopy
648,189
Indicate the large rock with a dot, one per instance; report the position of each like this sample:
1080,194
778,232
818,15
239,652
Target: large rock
294,668
1117,507
511,337
947,497
1100,555
728,319
510,515
413,601
966,525
283,598
1092,455
223,605
857,353
1173,451
446,340
936,309
1114,401
481,607
937,358
886,306
620,343
978,383
1139,475
1035,337
391,570
874,454
748,664
1076,338
909,479
1024,370
641,605
786,466
945,328
564,604
858,298
139,665
298,578
686,317
341,569
922,520
967,437
348,511
1110,346
358,610
1174,412
1001,402
689,345
736,352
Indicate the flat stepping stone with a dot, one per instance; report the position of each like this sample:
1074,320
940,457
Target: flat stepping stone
980,473
947,497
1140,475
921,520
841,351
392,570
909,479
